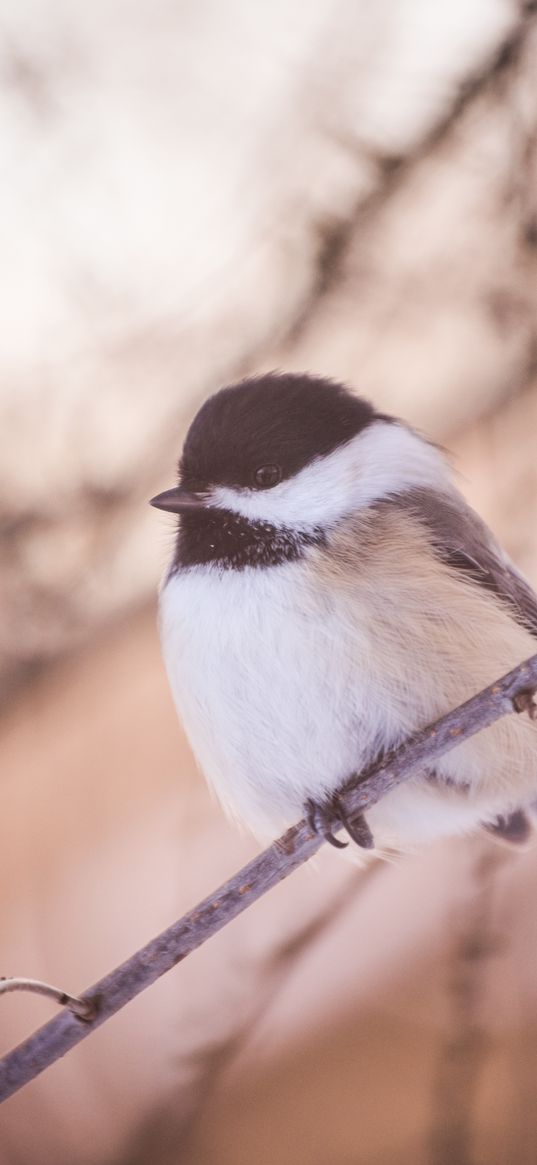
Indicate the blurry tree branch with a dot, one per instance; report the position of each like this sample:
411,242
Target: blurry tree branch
513,692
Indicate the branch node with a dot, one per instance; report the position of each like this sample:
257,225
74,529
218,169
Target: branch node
85,1009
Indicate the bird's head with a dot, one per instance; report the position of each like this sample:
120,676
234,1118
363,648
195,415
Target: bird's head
294,451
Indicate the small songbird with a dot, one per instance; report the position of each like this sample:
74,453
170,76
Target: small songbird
330,593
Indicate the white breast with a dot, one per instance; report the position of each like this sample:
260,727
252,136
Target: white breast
288,680
276,707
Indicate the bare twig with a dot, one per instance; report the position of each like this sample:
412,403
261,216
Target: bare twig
84,1008
274,864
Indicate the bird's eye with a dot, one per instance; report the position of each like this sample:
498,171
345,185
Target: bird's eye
267,476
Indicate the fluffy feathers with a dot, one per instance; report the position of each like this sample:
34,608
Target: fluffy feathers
389,605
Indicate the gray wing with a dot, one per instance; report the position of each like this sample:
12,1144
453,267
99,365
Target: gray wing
466,544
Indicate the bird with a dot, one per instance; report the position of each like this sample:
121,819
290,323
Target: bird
330,593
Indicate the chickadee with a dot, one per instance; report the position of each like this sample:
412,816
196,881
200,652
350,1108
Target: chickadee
329,594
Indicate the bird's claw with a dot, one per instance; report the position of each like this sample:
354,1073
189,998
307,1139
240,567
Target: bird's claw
525,702
322,819
329,816
357,829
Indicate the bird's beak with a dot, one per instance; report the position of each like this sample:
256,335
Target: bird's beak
179,500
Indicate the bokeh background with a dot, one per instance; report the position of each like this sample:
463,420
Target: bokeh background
192,191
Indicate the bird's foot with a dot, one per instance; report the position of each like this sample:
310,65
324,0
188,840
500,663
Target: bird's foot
327,817
525,702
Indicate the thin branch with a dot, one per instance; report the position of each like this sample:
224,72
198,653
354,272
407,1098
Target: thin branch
274,864
84,1008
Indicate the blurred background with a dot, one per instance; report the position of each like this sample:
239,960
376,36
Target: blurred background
192,191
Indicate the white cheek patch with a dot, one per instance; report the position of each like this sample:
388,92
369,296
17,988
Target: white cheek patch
386,458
